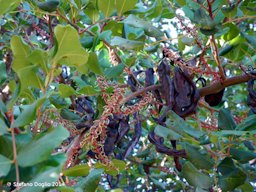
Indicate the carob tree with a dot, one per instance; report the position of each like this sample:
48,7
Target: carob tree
98,95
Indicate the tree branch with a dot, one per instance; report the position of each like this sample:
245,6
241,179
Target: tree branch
216,87
210,89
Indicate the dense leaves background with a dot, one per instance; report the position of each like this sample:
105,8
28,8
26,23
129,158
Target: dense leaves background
52,54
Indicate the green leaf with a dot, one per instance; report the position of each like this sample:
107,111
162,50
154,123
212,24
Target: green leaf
225,49
7,6
248,124
28,114
106,6
123,6
126,43
3,74
242,156
21,52
70,51
69,115
149,29
181,2
159,184
88,90
5,166
93,64
200,159
250,39
90,183
78,170
225,120
113,72
226,133
42,147
178,124
166,133
229,11
49,5
232,180
22,65
66,90
195,177
39,57
92,12
246,187
49,176
226,166
3,127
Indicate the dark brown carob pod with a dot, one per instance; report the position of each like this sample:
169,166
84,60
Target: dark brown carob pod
214,99
186,95
251,98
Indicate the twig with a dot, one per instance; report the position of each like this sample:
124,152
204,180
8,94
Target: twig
139,92
50,29
10,116
217,59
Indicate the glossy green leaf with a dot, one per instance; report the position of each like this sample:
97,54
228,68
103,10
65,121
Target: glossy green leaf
250,39
70,51
232,32
21,52
49,5
92,12
226,166
69,115
149,29
42,146
248,124
28,113
232,180
246,187
113,72
39,57
90,183
195,177
229,11
58,101
78,170
199,158
5,165
3,127
66,90
107,6
3,74
166,133
22,65
7,6
126,43
88,90
48,177
243,156
177,124
225,120
225,49
93,64
123,6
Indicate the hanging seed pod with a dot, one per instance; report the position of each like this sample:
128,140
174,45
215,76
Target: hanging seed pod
186,95
214,99
251,98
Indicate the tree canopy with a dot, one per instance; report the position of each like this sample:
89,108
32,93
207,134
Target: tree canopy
118,95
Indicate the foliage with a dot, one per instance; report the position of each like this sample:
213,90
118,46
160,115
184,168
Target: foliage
103,95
